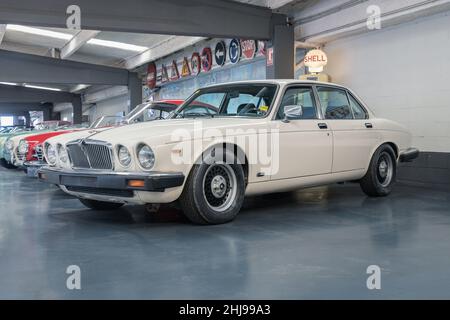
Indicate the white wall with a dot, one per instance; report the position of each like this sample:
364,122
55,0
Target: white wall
67,115
108,107
402,73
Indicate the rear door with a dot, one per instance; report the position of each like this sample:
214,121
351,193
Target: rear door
354,136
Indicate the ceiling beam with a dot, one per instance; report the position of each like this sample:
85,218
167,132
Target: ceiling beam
77,42
19,94
2,32
163,49
21,67
207,18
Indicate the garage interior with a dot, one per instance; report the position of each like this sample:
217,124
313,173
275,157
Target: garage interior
312,244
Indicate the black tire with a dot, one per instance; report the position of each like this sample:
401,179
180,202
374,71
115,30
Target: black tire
201,201
382,172
100,205
7,165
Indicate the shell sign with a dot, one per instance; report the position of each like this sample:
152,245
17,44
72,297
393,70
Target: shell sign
315,60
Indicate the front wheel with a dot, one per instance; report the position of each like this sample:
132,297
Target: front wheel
380,176
100,205
214,192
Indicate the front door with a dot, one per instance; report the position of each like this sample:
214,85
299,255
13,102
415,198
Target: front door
305,142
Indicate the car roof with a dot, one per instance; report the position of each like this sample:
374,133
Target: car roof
276,81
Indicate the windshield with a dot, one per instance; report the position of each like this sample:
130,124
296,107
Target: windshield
150,111
242,100
107,121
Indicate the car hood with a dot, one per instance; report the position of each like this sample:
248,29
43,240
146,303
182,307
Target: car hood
41,137
160,129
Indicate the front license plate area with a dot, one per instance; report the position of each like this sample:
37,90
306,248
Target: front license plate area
79,181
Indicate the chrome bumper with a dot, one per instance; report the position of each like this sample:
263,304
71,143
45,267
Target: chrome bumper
409,155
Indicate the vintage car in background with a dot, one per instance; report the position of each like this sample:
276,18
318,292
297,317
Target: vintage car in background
8,143
29,152
265,137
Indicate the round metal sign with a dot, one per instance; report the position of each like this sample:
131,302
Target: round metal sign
235,51
196,63
248,48
151,75
206,59
220,53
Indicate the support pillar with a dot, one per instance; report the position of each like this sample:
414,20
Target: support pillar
134,90
280,52
77,109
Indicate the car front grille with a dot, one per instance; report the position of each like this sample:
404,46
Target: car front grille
90,155
39,152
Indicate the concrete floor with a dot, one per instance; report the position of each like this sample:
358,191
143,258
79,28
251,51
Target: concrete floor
315,243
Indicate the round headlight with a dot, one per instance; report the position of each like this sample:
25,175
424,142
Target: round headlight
9,145
23,147
124,156
146,156
62,153
51,154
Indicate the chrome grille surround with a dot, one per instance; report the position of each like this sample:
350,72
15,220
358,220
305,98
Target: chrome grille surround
39,152
90,154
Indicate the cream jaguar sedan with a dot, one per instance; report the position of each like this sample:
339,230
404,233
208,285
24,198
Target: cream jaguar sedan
232,140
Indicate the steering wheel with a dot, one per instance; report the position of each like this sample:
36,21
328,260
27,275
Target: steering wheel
250,108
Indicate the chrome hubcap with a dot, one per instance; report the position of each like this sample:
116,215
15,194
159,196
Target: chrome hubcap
385,172
219,187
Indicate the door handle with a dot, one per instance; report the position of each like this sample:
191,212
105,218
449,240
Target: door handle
369,126
322,125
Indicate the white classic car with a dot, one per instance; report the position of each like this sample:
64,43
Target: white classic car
237,139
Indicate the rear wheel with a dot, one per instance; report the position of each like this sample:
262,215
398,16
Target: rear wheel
380,176
100,205
214,191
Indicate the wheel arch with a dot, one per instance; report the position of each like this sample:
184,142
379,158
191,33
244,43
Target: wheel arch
237,150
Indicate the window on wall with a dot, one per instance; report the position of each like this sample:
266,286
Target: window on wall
334,103
6,121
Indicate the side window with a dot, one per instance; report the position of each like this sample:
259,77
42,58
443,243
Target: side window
358,110
334,103
299,97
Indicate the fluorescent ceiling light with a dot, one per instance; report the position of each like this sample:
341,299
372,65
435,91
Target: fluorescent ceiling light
42,88
39,32
9,83
117,45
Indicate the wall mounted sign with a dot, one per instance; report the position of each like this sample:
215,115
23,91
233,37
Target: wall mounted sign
235,51
315,60
196,63
206,59
269,57
174,74
164,74
151,75
185,70
261,48
220,53
248,48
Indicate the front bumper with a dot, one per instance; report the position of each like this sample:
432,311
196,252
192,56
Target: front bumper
409,155
111,183
32,167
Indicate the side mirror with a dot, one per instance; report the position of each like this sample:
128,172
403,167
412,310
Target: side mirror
292,112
